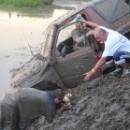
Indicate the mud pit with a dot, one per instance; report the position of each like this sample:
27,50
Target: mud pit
102,104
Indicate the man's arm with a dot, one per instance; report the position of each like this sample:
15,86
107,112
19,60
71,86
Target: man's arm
88,23
92,24
98,65
76,37
79,39
82,38
50,113
91,32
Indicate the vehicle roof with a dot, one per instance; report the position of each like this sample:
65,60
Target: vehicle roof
110,10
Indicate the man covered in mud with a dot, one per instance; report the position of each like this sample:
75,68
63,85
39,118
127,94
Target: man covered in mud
116,46
21,106
78,34
71,44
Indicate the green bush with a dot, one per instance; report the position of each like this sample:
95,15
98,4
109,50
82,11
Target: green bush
23,3
29,3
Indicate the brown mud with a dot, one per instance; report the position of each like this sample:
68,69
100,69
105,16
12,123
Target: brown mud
102,104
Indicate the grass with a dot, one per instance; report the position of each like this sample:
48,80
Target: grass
28,7
22,3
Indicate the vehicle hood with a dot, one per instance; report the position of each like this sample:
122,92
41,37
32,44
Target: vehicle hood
31,68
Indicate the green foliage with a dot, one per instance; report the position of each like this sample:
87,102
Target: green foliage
22,3
31,3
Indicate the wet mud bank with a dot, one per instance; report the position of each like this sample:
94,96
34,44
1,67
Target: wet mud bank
103,104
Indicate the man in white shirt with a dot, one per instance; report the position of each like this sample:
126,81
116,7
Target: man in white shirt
116,46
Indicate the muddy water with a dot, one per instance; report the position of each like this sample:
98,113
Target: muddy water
17,30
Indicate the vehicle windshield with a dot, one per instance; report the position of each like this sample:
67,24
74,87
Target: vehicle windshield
47,37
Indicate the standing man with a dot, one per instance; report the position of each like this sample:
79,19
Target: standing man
115,45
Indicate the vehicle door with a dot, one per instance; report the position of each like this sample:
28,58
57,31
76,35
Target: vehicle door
72,66
84,59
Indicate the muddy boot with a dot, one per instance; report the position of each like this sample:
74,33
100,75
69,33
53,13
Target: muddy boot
126,72
109,68
117,72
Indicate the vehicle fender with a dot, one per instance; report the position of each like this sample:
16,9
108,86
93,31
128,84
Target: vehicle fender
35,72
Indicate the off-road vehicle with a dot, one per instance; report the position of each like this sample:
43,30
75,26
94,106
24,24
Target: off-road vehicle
51,68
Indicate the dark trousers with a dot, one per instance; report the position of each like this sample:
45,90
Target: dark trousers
9,117
122,56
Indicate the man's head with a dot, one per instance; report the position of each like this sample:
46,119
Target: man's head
100,35
58,95
79,26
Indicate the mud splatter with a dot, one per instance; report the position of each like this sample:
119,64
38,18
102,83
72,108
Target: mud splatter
103,106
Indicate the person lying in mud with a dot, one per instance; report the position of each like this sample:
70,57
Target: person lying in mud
21,106
115,45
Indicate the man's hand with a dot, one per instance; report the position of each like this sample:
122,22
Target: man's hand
89,74
82,20
98,65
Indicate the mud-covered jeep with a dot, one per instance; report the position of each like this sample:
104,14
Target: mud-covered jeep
49,68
